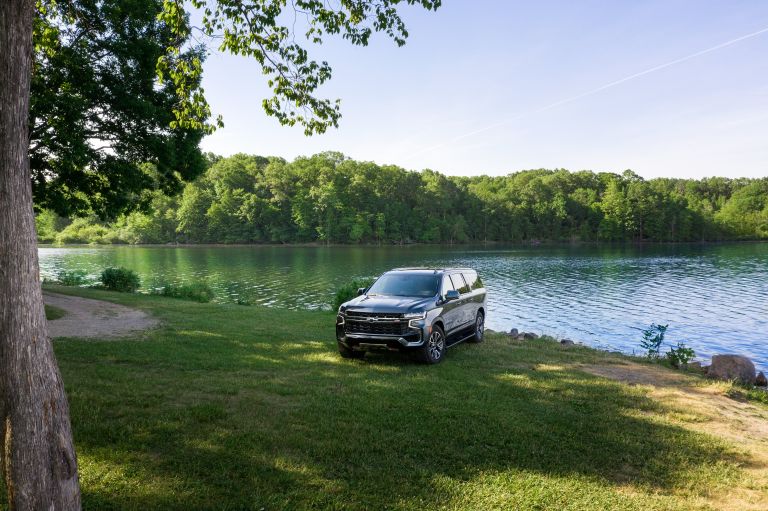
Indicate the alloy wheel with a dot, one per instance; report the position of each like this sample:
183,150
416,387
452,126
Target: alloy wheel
436,345
479,326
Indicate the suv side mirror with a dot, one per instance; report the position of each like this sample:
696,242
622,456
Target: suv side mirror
360,290
451,295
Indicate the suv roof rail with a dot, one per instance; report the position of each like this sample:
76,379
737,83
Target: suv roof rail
425,268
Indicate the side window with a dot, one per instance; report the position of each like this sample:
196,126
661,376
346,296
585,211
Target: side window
459,284
466,288
478,283
470,277
447,285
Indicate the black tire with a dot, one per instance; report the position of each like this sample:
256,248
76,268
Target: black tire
349,353
479,328
433,350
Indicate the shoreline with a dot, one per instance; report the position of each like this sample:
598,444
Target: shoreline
313,244
697,365
287,267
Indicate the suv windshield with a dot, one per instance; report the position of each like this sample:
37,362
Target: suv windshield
400,284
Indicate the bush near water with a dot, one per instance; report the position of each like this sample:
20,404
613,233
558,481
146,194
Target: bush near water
128,281
72,278
120,279
196,292
349,291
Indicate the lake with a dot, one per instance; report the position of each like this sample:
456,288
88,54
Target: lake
714,297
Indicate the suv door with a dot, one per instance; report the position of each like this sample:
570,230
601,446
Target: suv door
451,310
466,314
475,297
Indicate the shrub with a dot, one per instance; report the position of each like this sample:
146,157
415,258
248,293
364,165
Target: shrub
680,355
120,279
195,292
82,230
349,291
48,224
653,336
71,278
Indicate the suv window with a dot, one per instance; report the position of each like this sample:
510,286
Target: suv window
402,284
459,284
473,280
447,285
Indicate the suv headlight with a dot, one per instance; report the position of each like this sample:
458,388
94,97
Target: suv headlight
415,315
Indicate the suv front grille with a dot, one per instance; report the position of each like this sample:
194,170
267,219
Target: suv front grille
379,315
379,323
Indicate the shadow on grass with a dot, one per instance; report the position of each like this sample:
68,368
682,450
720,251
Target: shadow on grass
244,408
202,423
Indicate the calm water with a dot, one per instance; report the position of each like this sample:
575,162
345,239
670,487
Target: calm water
713,297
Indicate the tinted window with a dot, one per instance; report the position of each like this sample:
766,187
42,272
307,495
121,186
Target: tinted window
447,285
473,280
400,284
458,283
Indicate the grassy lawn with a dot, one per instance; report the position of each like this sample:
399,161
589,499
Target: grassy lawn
52,312
231,407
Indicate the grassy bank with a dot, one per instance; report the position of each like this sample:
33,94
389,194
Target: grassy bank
228,407
52,312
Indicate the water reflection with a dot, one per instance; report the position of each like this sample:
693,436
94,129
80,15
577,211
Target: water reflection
715,297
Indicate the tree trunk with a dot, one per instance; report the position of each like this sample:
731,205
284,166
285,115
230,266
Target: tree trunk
38,455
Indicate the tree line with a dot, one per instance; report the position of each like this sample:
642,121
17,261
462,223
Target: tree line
329,198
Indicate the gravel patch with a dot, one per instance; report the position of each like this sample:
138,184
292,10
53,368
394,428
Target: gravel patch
88,318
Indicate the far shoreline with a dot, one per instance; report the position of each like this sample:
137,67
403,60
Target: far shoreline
314,244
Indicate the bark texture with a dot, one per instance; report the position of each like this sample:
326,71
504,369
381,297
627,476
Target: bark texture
39,463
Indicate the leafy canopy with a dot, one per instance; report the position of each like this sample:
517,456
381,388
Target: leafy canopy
98,110
266,30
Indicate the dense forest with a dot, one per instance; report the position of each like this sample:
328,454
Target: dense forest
329,198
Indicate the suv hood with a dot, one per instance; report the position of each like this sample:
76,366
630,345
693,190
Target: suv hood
365,303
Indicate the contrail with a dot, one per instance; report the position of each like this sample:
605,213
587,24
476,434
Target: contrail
591,92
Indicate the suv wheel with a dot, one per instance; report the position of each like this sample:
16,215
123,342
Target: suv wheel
479,328
349,353
434,349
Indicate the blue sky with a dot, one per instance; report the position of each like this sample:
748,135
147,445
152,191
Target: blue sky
472,92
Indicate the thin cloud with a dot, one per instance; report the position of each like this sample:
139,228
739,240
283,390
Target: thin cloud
590,92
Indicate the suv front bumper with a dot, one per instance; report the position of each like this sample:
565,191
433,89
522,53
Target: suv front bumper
413,339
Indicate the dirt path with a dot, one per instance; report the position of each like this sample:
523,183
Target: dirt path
704,408
88,318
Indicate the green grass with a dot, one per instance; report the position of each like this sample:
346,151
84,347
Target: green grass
226,407
745,393
52,312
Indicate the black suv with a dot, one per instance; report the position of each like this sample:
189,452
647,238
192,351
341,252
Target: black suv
421,310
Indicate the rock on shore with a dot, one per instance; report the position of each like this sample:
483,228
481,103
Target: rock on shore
732,367
522,336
